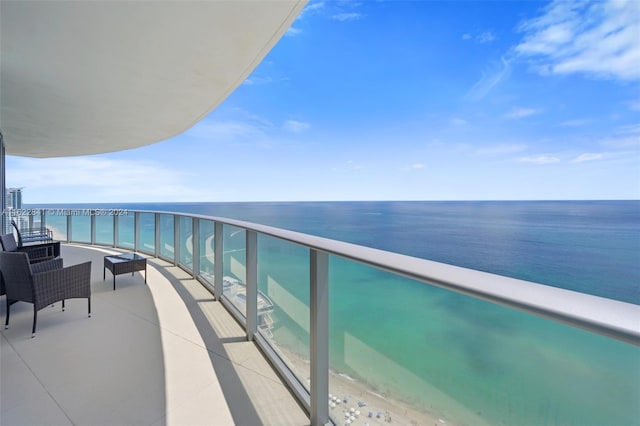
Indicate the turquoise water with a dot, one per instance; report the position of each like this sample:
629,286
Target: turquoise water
428,346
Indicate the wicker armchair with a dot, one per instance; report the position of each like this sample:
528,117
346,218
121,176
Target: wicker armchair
43,283
30,235
36,254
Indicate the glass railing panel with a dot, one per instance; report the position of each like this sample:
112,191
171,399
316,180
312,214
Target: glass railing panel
283,302
409,353
126,231
21,220
166,236
56,222
104,229
81,227
186,242
37,218
207,228
25,219
147,229
234,269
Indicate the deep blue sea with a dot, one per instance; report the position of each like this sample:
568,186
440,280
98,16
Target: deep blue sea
587,246
427,346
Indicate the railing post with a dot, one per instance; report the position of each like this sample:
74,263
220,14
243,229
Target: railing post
69,226
136,231
252,283
218,259
176,239
319,310
195,247
3,197
116,229
156,243
93,226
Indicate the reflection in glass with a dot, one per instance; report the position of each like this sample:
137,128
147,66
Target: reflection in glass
57,223
186,242
81,228
166,236
283,302
126,224
104,229
207,250
147,232
234,257
402,343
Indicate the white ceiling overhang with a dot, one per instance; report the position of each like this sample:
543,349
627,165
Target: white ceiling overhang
88,77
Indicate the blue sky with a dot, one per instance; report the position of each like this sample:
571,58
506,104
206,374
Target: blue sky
401,101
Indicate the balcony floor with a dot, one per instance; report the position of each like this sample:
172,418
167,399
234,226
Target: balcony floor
156,354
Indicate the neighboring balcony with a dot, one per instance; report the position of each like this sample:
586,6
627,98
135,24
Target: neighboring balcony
357,335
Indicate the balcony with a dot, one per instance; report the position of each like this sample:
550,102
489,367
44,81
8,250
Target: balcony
246,324
412,341
161,353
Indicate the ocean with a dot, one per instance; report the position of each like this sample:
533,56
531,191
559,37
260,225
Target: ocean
437,350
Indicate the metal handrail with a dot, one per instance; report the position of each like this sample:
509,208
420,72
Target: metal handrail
615,319
611,318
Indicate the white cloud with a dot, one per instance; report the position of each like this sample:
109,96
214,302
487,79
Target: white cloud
352,165
517,113
501,149
243,126
574,123
311,8
293,31
226,130
347,16
458,121
634,105
294,126
413,167
485,37
540,159
337,10
253,80
95,179
490,78
625,138
600,39
588,156
631,129
482,38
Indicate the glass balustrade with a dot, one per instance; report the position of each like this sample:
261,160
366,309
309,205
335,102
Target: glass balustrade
283,302
186,242
404,349
400,350
126,231
206,236
167,245
57,224
81,228
104,229
147,233
234,269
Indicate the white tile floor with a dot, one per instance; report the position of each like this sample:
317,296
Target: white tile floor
159,354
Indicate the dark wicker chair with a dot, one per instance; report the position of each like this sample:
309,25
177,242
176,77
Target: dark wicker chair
30,235
43,283
36,254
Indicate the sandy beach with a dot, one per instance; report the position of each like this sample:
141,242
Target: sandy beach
354,403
